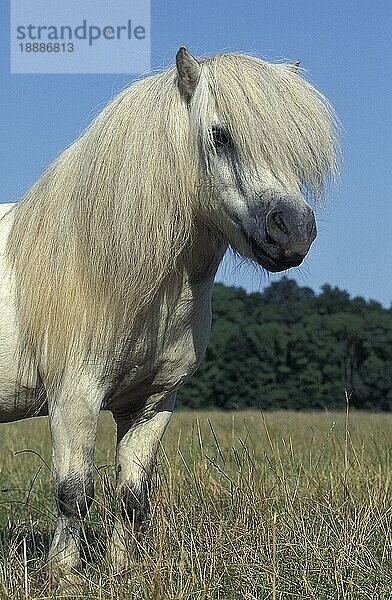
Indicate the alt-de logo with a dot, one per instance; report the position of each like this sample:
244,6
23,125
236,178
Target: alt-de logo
96,36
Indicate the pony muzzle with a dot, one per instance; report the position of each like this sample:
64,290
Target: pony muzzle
288,235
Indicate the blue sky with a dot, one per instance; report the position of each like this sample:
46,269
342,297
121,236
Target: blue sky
345,47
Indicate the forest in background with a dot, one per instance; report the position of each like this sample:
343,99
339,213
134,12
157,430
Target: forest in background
288,347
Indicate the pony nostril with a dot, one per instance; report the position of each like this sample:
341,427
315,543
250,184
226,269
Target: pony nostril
276,228
290,228
280,222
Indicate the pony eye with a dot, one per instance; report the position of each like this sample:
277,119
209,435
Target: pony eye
220,137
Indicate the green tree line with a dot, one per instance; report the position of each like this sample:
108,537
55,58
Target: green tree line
290,348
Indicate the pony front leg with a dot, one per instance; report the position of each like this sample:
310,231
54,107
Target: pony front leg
73,423
137,447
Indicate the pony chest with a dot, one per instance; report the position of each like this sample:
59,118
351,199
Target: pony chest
178,362
165,359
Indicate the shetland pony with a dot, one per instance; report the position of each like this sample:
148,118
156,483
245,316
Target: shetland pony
108,261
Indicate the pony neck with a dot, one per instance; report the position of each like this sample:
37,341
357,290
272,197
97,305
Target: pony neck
203,256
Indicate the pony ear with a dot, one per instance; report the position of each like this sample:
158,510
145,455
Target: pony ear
188,69
295,64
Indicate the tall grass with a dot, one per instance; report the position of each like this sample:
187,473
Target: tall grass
243,506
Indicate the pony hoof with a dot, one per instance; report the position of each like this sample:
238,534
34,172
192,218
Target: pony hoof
121,564
64,583
122,560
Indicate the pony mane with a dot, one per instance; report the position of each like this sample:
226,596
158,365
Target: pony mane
99,233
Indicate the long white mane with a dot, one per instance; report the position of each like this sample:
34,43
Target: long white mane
97,236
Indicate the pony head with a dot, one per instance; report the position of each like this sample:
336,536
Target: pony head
265,139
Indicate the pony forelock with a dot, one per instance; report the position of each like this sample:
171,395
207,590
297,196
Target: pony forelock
276,119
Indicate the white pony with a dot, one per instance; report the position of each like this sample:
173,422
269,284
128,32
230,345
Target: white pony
108,261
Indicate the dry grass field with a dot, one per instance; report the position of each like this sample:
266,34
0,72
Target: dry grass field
244,506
